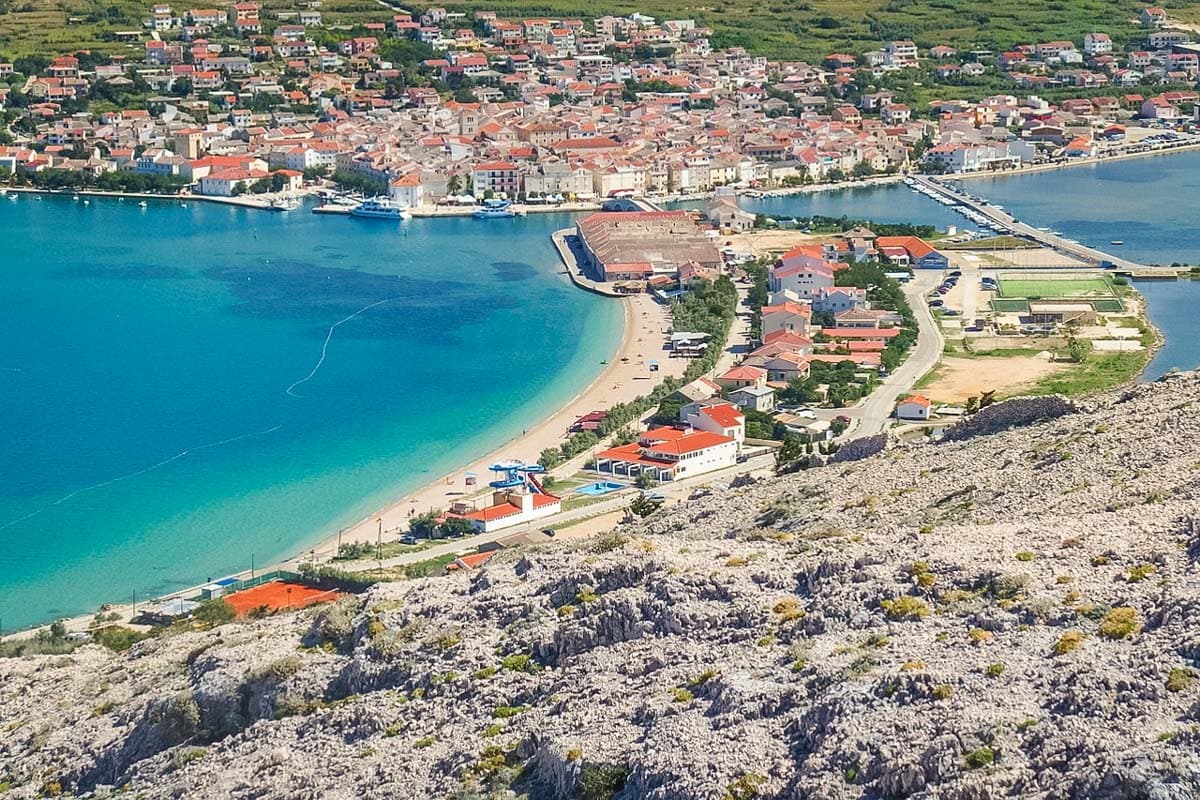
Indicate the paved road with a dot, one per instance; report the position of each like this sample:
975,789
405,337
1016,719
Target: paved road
674,491
738,346
872,415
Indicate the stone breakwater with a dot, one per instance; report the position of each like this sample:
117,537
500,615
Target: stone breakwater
1011,615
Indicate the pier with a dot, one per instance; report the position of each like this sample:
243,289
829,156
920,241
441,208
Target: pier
574,268
1006,222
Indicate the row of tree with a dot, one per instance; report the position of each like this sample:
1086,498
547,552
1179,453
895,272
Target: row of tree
709,307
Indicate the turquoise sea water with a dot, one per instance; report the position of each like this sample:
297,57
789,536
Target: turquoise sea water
183,388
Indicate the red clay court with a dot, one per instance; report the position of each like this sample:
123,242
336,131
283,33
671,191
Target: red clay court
277,595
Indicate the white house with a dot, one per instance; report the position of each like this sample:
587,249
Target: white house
715,416
407,190
754,398
513,508
913,407
1097,44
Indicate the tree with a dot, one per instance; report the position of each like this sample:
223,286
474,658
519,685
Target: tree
645,481
668,409
788,457
423,525
454,185
214,611
644,506
456,526
1077,349
550,458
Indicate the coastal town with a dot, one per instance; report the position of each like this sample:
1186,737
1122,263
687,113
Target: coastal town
433,107
763,344
521,400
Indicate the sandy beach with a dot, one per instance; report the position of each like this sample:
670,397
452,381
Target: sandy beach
626,377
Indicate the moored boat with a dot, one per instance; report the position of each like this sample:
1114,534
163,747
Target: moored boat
495,209
380,208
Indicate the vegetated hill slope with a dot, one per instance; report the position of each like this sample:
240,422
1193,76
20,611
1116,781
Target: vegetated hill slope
1015,615
809,30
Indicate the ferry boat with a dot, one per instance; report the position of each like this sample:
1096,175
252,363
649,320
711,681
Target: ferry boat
495,209
380,208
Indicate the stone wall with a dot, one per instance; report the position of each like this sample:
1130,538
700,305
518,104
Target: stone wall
858,449
1013,413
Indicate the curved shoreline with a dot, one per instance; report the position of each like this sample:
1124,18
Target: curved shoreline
617,382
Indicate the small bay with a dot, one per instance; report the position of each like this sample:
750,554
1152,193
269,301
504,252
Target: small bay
185,388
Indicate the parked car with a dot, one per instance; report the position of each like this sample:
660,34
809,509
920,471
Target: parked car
950,312
408,538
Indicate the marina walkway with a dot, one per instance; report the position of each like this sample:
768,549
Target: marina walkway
1005,220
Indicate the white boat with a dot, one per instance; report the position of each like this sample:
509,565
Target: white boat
285,203
495,209
1117,242
380,208
142,204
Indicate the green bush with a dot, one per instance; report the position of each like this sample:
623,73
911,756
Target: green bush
520,663
214,611
117,638
905,607
602,781
1119,623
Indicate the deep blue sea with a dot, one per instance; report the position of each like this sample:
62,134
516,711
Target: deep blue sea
184,388
1149,203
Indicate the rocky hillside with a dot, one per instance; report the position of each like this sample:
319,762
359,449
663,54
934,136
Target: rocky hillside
1012,615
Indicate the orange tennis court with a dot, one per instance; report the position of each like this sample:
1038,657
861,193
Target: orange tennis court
277,595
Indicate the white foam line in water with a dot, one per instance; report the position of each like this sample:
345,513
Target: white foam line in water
142,471
328,336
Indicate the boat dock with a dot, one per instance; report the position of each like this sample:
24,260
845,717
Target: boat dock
1004,222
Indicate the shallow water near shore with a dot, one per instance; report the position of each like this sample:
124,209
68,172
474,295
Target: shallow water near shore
184,389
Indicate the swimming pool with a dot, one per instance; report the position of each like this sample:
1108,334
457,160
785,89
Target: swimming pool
600,487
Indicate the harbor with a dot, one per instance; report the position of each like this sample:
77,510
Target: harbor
996,219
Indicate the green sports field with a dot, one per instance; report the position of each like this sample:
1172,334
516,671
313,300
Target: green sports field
1052,289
